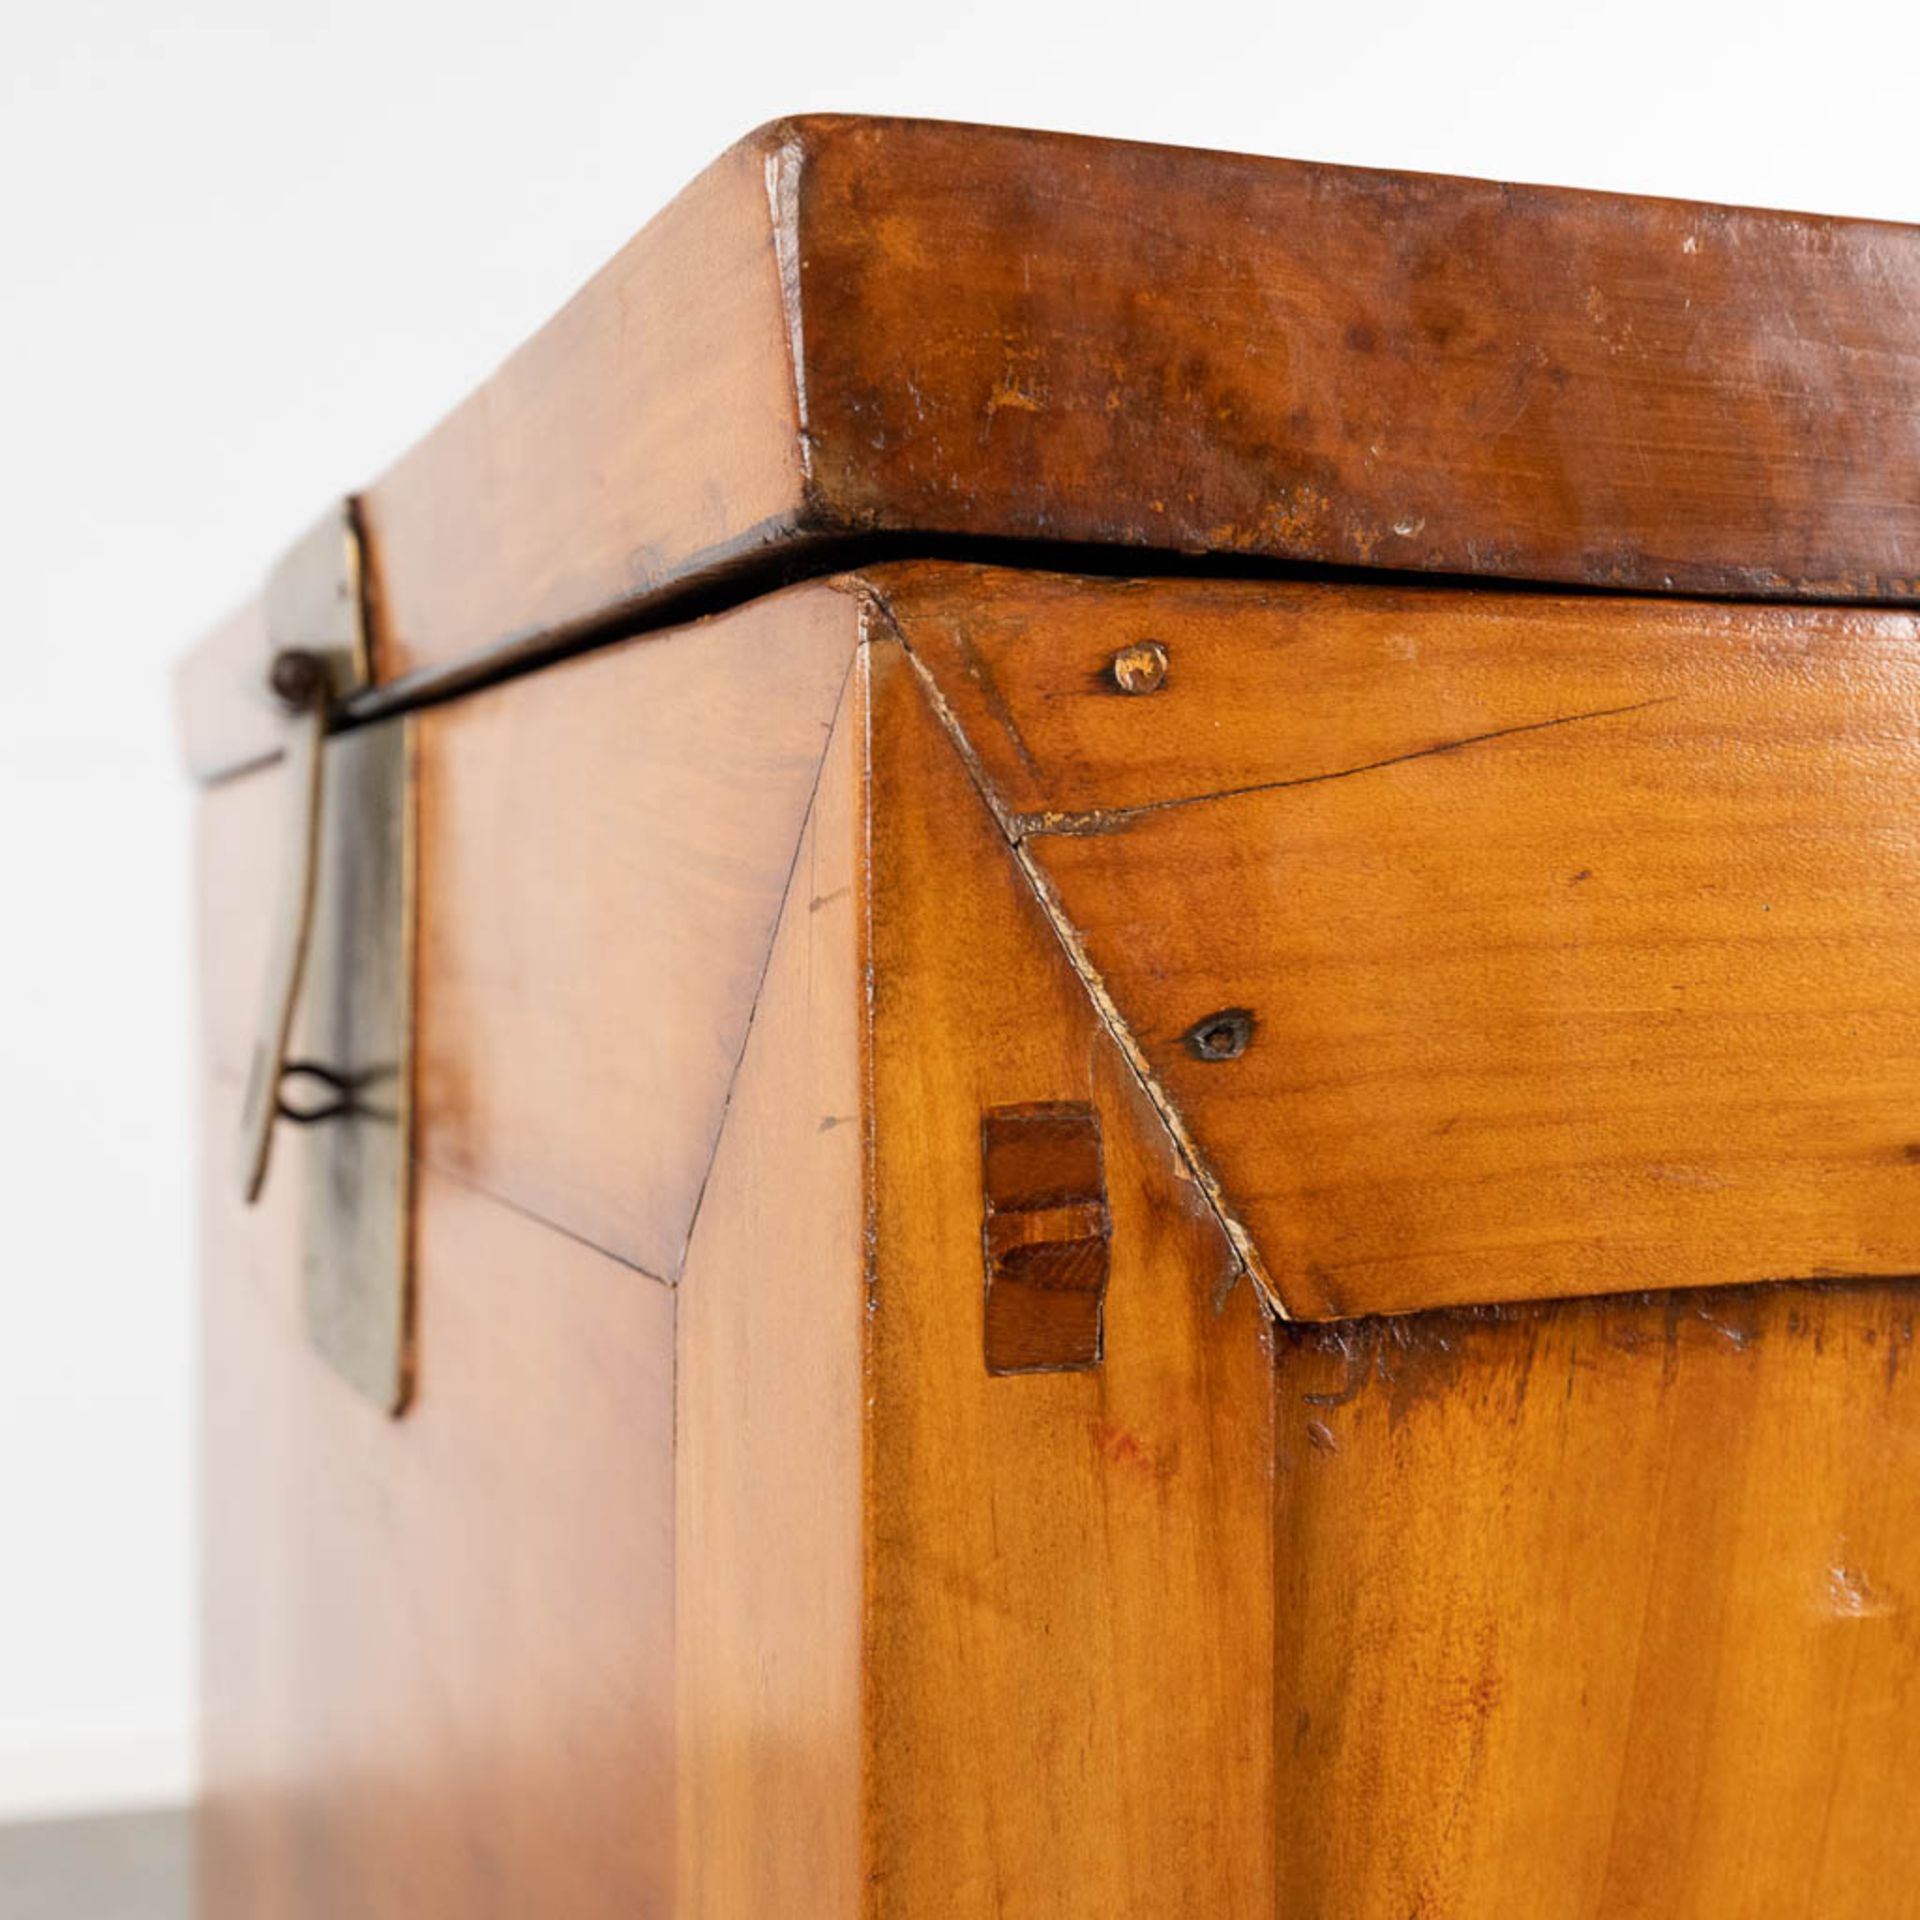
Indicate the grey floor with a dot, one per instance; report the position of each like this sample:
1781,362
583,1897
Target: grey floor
130,1866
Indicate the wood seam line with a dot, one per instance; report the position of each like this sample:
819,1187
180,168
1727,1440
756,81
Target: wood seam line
487,1192
869,1067
778,920
1073,946
480,1190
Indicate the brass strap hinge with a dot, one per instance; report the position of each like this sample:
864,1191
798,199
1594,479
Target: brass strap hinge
331,1055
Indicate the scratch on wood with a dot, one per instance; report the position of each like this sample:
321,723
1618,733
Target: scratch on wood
784,167
1203,1176
981,675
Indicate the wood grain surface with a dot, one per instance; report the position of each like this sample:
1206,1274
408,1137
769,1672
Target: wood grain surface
1045,1229
604,850
769,1396
1601,1609
649,433
766,1593
1068,1574
850,329
1206,352
1573,936
436,1653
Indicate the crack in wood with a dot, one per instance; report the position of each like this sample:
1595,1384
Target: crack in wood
1110,819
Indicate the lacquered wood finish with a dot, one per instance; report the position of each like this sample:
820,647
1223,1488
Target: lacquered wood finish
1573,937
437,1654
1134,345
1069,1607
769,1398
1600,1609
766,1593
470,1704
851,327
652,432
889,1052
604,851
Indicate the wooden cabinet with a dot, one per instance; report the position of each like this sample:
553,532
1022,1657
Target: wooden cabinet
1160,1107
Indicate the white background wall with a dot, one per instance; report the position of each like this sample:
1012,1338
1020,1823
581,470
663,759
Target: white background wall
250,248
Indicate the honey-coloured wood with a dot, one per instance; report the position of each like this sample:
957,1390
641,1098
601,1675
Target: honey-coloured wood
1565,944
604,851
897,1036
851,1504
437,1653
793,1589
1069,1600
651,433
769,1396
1601,1608
1046,1234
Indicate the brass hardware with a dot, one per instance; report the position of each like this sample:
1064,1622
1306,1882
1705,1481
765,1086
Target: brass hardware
331,1054
1140,668
314,603
352,1067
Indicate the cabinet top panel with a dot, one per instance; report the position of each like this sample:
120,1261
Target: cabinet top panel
856,336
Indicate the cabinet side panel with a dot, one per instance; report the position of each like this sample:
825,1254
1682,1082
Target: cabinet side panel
1070,1645
436,1653
1601,1608
768,1393
604,848
648,433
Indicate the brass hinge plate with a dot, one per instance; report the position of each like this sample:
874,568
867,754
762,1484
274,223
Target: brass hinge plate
356,1020
329,1092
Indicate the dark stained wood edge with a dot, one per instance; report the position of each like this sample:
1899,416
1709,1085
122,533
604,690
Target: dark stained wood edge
919,331
1099,341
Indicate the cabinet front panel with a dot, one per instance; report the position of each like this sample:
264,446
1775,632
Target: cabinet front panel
1487,947
1601,1608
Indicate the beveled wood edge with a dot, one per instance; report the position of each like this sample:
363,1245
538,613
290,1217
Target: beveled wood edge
746,427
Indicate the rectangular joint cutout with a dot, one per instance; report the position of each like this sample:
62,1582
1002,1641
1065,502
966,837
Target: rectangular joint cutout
1045,1230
